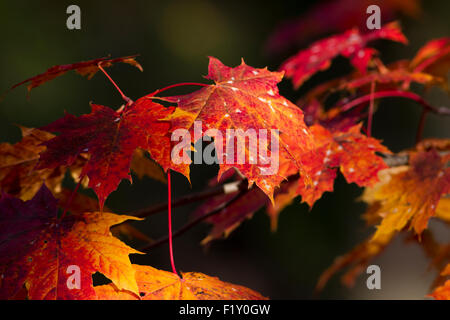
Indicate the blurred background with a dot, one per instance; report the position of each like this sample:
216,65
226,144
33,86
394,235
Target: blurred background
174,39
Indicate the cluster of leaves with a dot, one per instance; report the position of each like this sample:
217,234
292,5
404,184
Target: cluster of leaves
420,176
46,228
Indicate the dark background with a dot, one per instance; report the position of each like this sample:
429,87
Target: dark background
174,39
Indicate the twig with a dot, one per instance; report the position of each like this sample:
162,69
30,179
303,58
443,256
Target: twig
190,198
396,93
401,158
195,221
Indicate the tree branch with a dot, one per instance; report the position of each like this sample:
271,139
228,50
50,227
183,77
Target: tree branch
396,93
192,223
226,188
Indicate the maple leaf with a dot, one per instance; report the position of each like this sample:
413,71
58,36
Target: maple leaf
162,285
18,175
351,44
110,138
410,197
37,247
246,98
85,68
351,151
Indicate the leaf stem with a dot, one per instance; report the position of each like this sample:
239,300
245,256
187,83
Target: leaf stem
169,207
124,97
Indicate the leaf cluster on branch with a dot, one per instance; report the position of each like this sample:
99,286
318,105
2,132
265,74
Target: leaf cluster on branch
45,228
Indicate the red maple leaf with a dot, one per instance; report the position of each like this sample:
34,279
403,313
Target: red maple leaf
350,44
109,138
246,98
351,151
85,68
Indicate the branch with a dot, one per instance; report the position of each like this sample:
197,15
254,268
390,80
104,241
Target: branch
396,93
401,158
396,160
191,198
192,223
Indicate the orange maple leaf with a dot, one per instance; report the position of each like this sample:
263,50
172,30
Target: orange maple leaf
37,247
411,197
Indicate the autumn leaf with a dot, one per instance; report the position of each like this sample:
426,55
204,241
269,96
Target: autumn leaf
86,68
110,138
162,285
18,173
37,247
350,44
410,197
351,151
247,99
